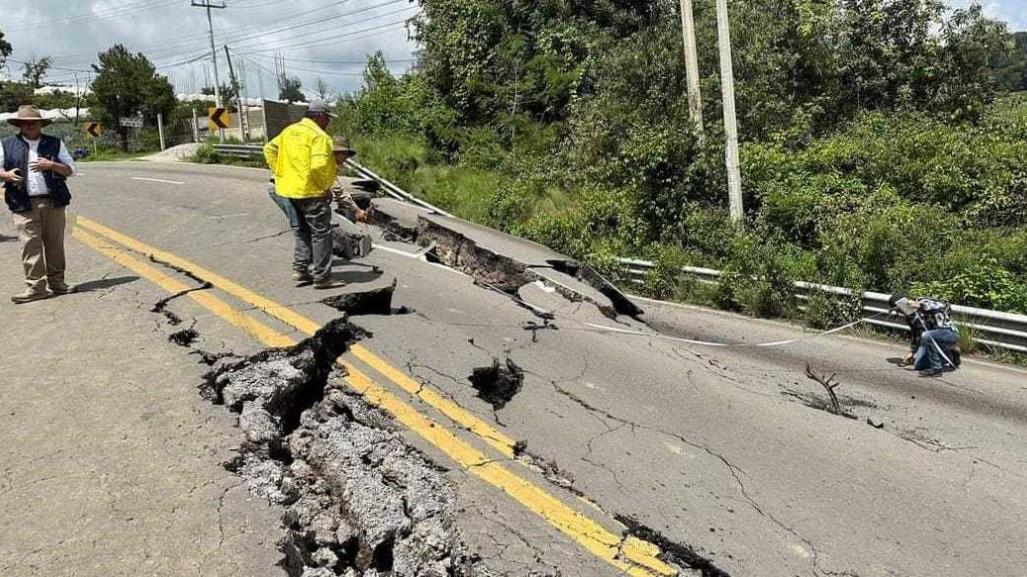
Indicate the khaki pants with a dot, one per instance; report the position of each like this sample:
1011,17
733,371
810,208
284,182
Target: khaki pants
41,236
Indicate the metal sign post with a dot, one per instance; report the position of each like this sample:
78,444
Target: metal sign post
94,130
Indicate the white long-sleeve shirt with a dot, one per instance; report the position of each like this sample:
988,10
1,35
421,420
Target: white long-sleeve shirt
34,180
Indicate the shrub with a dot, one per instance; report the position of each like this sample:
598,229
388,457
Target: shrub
759,276
828,310
666,281
986,285
206,154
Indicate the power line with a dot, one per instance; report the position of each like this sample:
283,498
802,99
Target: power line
179,42
397,25
236,39
243,39
51,67
140,6
243,36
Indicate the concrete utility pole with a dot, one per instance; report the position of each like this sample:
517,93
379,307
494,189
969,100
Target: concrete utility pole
208,4
692,65
243,132
727,82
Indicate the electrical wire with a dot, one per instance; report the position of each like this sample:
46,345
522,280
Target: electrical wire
141,6
181,42
346,37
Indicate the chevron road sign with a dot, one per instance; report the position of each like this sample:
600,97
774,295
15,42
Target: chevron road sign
219,118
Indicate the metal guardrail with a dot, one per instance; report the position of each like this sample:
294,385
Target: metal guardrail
997,330
254,151
994,329
393,190
247,151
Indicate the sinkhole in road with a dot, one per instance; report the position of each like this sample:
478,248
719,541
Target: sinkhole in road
498,383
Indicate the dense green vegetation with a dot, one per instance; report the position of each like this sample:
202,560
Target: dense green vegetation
883,147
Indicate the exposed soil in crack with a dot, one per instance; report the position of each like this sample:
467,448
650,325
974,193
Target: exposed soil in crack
499,383
179,270
672,552
184,337
499,272
457,251
359,501
367,302
394,230
212,359
161,307
552,472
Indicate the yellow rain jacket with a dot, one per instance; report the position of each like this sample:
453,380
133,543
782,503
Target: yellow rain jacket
302,161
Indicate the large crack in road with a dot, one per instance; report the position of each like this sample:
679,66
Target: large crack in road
359,500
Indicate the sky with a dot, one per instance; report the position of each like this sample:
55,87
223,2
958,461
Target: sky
327,39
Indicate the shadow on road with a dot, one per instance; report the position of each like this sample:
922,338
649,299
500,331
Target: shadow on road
104,284
357,276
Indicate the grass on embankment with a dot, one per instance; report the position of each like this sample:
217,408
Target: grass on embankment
463,191
112,155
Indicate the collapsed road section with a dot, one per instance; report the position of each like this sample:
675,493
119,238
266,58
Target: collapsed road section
359,501
498,261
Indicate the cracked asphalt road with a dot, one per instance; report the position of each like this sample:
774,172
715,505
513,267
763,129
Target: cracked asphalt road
713,448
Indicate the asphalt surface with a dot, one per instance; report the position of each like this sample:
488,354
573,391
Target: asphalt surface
725,450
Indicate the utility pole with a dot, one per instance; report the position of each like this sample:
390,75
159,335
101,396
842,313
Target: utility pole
692,66
208,4
78,99
727,82
238,95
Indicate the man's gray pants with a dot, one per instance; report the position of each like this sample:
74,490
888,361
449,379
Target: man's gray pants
313,251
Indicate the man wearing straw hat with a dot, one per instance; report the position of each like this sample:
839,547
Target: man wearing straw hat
35,169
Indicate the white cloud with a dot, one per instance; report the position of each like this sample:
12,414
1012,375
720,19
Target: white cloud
318,38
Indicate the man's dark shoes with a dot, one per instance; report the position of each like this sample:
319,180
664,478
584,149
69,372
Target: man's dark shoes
929,373
324,285
302,278
29,296
63,289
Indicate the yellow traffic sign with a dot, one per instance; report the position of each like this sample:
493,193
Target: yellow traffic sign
218,118
94,129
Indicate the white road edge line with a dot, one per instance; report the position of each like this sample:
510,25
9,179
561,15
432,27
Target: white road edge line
157,180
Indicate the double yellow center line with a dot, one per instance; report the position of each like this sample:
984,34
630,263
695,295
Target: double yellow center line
629,555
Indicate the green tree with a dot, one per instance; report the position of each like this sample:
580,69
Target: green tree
229,92
14,94
35,70
1011,68
128,85
5,49
290,90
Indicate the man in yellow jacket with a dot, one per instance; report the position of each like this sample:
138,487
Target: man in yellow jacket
304,168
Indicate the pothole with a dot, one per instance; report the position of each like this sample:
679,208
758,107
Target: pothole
499,383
